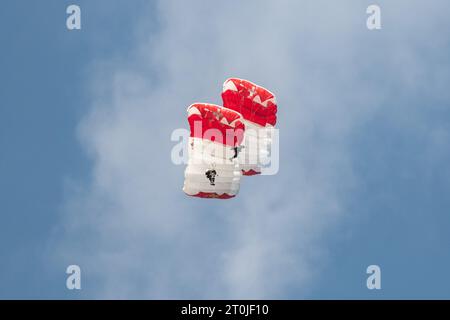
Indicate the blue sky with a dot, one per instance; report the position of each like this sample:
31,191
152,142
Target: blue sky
86,176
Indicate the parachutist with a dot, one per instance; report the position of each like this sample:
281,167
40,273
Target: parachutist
211,175
236,151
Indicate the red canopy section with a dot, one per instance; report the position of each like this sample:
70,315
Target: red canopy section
216,123
255,103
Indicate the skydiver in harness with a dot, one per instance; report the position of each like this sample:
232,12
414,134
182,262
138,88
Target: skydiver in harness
211,175
236,151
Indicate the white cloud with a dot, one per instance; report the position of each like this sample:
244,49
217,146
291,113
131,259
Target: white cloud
140,236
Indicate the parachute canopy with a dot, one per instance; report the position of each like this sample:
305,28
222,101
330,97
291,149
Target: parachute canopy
259,108
255,103
213,169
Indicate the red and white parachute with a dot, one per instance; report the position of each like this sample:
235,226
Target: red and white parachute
258,106
213,169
